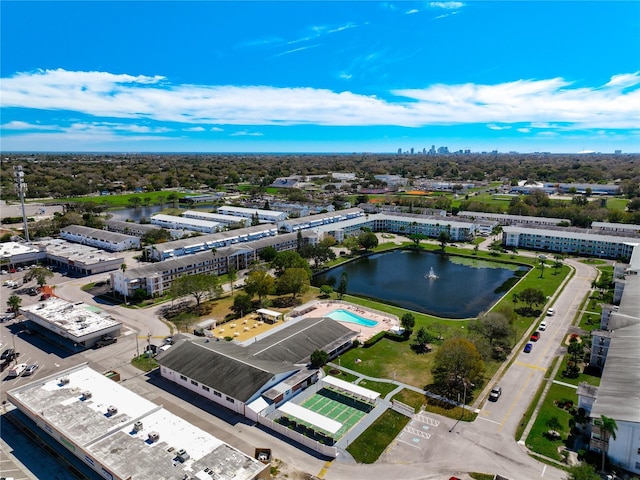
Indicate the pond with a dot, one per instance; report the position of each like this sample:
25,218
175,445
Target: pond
139,213
458,287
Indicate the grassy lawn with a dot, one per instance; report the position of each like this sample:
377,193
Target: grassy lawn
411,398
583,377
375,439
592,310
383,388
592,261
145,363
388,358
536,440
155,198
481,476
617,204
341,374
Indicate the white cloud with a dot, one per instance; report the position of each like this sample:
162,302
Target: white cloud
294,50
345,75
446,15
447,5
554,102
524,130
498,127
624,80
216,129
412,11
193,129
244,133
18,125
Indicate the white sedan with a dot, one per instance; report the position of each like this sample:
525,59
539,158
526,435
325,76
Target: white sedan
543,326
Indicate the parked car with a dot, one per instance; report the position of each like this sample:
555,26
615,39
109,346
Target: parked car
543,326
29,370
550,312
528,347
106,340
17,370
9,352
169,341
535,336
496,391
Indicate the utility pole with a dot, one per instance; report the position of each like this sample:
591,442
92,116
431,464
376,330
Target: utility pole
21,188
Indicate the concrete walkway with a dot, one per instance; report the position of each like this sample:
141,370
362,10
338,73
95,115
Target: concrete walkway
565,384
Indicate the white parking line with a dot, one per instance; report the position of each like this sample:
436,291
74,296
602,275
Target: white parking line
429,421
488,420
417,432
410,444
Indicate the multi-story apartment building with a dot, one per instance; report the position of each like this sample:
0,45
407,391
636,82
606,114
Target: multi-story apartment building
575,241
264,216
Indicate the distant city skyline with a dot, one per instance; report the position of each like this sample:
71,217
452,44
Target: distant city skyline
314,77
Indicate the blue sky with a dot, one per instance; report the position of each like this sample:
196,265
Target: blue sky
326,76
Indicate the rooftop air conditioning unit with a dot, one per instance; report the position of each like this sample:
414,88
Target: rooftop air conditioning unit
64,381
112,410
182,455
86,394
153,436
137,426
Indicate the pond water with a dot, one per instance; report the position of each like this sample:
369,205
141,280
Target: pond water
462,287
137,214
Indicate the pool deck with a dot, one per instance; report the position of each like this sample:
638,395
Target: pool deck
322,308
250,328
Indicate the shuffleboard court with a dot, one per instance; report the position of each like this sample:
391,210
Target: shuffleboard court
328,404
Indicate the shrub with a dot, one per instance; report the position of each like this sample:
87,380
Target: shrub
373,340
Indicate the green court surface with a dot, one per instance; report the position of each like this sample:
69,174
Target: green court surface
338,407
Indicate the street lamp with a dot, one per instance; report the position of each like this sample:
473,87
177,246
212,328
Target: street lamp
464,402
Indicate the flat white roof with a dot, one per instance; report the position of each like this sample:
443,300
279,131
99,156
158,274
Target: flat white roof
76,320
76,252
269,313
311,417
264,213
111,440
350,387
213,216
185,221
14,248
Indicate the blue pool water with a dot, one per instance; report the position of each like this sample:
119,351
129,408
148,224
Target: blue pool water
346,316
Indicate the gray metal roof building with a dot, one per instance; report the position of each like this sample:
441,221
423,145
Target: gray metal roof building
235,375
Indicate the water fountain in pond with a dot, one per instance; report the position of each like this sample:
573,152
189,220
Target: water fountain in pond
431,275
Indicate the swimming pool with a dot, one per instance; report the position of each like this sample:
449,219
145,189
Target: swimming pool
342,315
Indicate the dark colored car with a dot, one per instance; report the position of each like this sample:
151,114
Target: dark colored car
535,336
106,340
8,353
528,347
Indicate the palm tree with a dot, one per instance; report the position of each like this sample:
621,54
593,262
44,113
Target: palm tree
14,303
123,267
541,266
608,428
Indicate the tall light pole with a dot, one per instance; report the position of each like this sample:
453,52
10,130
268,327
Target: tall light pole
21,188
